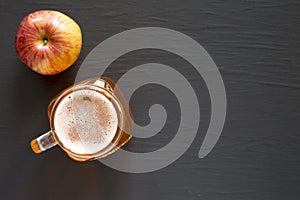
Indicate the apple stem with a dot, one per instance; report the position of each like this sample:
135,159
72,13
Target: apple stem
45,41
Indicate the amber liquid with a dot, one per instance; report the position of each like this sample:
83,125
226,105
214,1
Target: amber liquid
90,120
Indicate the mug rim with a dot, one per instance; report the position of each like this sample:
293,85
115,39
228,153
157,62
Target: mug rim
116,105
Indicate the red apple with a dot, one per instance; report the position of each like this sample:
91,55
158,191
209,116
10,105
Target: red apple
48,41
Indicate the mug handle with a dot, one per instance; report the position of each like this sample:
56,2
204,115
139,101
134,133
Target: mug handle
43,142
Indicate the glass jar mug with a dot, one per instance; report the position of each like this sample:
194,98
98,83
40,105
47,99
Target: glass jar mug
88,120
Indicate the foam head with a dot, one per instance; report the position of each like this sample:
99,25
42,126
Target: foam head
85,121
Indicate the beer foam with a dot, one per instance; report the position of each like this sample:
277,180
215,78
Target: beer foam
85,121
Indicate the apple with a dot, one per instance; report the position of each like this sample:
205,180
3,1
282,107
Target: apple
48,41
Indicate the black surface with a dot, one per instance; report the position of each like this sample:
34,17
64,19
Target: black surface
255,44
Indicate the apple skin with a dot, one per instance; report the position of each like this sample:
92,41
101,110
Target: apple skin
48,41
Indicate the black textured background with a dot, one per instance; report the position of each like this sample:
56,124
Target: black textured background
255,44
